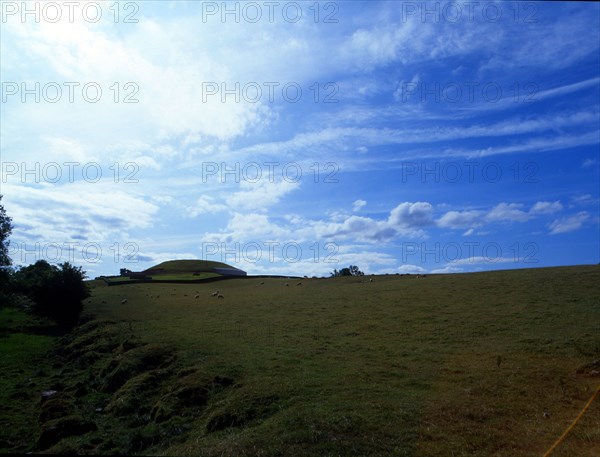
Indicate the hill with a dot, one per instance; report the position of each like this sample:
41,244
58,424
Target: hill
187,266
493,363
178,271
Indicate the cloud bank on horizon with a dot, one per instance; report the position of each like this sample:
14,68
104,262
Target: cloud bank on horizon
296,137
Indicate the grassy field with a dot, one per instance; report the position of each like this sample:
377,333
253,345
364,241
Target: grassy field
481,364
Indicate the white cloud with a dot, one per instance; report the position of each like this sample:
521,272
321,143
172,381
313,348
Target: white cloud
475,260
358,205
260,195
412,269
411,215
507,212
460,219
568,224
205,205
546,207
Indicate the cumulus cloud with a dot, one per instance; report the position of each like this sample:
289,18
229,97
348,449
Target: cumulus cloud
260,195
569,224
358,205
546,207
507,212
411,215
205,204
460,219
589,163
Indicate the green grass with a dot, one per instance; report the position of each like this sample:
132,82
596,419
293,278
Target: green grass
189,265
438,366
25,343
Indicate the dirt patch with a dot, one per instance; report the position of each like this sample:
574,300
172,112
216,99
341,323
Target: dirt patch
590,369
54,431
133,362
241,413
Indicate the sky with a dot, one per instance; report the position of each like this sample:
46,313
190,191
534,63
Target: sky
296,138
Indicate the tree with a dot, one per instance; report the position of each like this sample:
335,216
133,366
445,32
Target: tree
5,231
5,261
352,270
57,292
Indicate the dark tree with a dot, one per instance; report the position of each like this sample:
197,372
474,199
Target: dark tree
57,292
5,261
5,231
352,270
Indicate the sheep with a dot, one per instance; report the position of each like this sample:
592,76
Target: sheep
262,283
220,296
197,297
286,284
215,293
299,284
370,279
123,301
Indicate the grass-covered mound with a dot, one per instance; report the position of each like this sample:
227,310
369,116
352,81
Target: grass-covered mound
178,270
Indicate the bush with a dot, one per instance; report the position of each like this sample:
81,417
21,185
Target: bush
57,292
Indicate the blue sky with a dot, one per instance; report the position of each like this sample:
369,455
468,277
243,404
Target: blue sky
297,138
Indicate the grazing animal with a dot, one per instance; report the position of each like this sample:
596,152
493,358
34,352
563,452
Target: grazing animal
286,284
220,296
197,297
262,282
299,284
370,279
158,296
215,293
123,301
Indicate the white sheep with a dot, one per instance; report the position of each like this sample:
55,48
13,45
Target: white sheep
370,279
123,301
215,293
197,297
220,296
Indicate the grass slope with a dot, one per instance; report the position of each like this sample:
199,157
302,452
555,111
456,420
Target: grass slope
474,364
181,266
